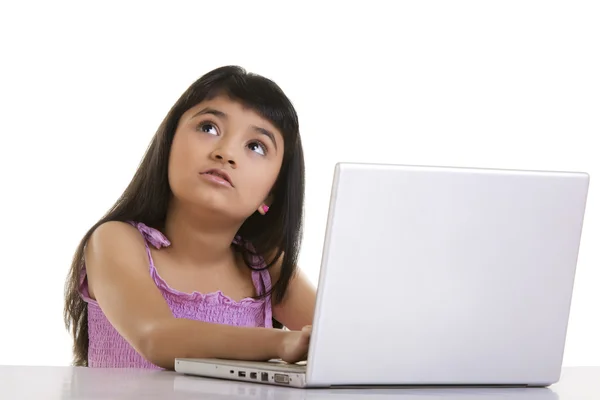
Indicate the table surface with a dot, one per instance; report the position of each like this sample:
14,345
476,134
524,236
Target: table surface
49,383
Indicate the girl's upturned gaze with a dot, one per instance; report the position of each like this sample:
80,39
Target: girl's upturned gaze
197,258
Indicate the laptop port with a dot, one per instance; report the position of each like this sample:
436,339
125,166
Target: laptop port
264,376
281,378
242,374
252,375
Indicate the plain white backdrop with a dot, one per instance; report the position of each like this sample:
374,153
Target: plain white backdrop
83,87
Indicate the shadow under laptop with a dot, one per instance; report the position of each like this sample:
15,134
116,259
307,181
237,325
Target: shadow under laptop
231,390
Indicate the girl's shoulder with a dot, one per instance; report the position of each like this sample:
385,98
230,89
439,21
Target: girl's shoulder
114,248
113,232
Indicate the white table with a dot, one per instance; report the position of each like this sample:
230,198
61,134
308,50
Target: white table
66,383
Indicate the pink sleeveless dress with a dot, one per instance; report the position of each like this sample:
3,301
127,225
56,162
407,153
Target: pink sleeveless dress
108,349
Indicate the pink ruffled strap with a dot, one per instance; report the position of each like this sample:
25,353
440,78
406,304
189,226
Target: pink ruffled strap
265,280
260,278
152,236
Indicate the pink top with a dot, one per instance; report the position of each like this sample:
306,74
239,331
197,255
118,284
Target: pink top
108,349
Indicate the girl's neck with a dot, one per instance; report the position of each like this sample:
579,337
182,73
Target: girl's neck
198,240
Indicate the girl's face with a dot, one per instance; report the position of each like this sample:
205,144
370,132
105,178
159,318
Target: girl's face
225,158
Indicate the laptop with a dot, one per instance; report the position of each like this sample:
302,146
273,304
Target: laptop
436,276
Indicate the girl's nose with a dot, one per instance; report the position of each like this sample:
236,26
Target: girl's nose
223,155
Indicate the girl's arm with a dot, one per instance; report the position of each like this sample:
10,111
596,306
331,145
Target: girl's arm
118,278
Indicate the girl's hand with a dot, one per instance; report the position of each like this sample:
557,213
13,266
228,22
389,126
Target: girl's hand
294,347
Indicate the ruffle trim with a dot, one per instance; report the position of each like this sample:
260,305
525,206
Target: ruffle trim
217,297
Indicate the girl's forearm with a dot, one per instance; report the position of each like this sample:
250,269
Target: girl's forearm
185,338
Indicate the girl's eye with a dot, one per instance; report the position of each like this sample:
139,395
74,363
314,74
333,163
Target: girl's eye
258,147
208,128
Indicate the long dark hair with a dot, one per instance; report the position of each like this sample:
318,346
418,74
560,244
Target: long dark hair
278,233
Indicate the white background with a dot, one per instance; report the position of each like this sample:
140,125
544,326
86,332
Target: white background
506,84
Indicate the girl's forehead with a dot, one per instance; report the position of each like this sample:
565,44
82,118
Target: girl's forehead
226,105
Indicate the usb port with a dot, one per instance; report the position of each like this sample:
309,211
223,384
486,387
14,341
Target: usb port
264,376
242,374
252,375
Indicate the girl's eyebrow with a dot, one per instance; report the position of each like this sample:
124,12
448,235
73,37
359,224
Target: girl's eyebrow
267,133
222,115
212,111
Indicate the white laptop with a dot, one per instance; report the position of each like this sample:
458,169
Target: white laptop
437,276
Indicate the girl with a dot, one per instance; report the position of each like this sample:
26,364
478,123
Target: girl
183,264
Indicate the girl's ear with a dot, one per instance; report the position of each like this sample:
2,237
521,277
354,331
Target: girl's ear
264,207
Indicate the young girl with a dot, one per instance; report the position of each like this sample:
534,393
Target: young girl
197,258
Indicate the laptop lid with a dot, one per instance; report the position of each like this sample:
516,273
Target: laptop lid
436,275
